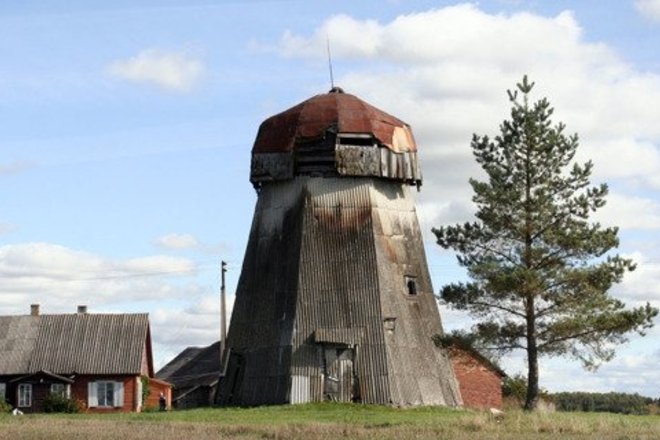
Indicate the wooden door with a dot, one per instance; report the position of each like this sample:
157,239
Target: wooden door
338,373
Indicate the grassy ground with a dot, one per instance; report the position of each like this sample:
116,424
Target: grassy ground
329,421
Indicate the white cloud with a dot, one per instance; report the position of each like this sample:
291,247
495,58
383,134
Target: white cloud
445,71
59,277
629,212
177,241
649,9
198,324
177,71
643,284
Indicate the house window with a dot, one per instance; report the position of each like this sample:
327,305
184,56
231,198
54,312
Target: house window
105,394
24,394
59,389
3,391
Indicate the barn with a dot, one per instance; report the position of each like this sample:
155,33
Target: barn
479,379
194,375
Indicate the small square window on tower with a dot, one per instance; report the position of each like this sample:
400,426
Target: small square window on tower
411,285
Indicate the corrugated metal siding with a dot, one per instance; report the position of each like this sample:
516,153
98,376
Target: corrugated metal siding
348,336
261,327
419,372
300,389
325,265
338,284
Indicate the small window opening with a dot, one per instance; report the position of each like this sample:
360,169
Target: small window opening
389,324
411,285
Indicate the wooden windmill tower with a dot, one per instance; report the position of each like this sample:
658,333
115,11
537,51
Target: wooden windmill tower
335,301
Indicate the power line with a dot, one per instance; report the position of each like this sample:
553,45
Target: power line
207,264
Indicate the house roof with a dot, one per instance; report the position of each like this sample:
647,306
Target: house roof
178,362
460,342
43,374
193,366
472,352
74,343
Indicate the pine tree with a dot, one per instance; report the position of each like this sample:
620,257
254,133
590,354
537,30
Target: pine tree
540,271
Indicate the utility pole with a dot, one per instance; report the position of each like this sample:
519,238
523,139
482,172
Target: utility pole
223,315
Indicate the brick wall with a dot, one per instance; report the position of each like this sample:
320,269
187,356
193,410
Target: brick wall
79,392
480,385
155,388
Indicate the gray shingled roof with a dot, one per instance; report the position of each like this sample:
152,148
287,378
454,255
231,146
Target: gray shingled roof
74,343
193,366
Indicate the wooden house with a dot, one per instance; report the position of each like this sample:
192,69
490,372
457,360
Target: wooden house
103,361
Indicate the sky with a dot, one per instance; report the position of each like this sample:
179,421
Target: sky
126,129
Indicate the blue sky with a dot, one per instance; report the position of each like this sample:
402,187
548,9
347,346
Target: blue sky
127,127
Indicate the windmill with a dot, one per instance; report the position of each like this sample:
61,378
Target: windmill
334,300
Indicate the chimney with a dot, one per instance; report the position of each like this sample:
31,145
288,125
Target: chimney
34,309
82,309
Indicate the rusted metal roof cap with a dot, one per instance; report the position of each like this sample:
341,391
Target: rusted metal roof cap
331,135
337,111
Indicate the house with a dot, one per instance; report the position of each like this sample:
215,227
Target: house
104,361
194,374
479,379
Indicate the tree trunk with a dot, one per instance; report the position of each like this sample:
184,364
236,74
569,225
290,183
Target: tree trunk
532,350
532,397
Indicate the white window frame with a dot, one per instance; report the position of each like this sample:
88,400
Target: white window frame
24,395
98,396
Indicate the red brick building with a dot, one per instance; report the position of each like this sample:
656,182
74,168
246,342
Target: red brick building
479,380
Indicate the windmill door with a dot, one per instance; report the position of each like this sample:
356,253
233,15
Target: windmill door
338,375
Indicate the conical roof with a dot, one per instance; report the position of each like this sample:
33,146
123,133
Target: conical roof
340,112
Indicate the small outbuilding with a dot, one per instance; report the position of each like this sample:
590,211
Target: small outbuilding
194,375
479,379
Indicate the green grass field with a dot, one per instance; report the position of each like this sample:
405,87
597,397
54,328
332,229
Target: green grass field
329,421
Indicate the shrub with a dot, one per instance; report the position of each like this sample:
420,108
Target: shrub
515,387
4,406
56,403
145,389
514,391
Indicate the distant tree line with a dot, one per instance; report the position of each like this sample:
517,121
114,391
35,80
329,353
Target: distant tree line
622,403
515,388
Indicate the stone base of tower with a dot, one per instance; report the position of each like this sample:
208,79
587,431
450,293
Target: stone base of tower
335,300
